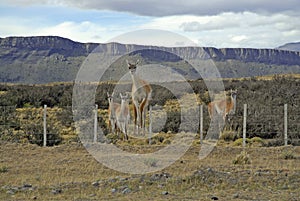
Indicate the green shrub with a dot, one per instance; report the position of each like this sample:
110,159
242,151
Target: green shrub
157,139
242,159
3,169
113,138
257,141
239,142
228,135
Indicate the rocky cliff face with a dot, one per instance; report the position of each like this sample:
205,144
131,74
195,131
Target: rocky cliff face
66,47
267,56
51,59
52,44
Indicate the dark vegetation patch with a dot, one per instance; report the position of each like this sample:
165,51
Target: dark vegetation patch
265,99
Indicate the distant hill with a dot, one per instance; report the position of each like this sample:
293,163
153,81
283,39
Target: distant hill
291,47
46,59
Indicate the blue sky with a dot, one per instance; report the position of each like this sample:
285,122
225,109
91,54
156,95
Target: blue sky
231,23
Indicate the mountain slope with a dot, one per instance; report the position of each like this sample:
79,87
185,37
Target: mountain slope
47,59
291,47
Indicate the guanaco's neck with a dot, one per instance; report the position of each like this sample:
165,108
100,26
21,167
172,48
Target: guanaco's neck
135,80
123,105
233,100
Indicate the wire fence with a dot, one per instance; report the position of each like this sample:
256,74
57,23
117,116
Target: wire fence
48,126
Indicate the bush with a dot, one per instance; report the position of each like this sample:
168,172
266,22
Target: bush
239,142
229,136
242,159
173,122
112,138
253,141
159,139
274,143
167,142
3,169
257,141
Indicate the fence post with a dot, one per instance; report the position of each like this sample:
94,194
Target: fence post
285,126
244,125
45,127
95,122
201,124
150,124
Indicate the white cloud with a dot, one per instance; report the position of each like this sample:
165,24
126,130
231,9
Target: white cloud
238,39
79,31
226,29
154,37
216,22
245,29
84,31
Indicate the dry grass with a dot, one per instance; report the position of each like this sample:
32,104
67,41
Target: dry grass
3,93
265,77
270,77
69,172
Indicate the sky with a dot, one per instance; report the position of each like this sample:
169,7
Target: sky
213,23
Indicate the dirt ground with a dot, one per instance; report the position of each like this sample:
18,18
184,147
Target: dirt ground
69,172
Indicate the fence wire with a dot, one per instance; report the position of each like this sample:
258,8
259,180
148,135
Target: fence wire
26,124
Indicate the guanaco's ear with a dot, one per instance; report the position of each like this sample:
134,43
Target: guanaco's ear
137,62
127,62
112,94
127,94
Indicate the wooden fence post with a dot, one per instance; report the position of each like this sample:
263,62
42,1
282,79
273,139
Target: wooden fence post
285,126
201,124
95,123
150,124
45,127
244,125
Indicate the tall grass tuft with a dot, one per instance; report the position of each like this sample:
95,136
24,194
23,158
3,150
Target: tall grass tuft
242,159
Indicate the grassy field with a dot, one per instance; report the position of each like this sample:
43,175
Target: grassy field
229,172
69,172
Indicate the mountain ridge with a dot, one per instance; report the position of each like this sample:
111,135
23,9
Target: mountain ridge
295,46
43,59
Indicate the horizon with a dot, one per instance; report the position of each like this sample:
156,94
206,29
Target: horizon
108,42
230,24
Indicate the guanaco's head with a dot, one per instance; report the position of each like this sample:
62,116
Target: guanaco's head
124,97
233,93
131,66
110,97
